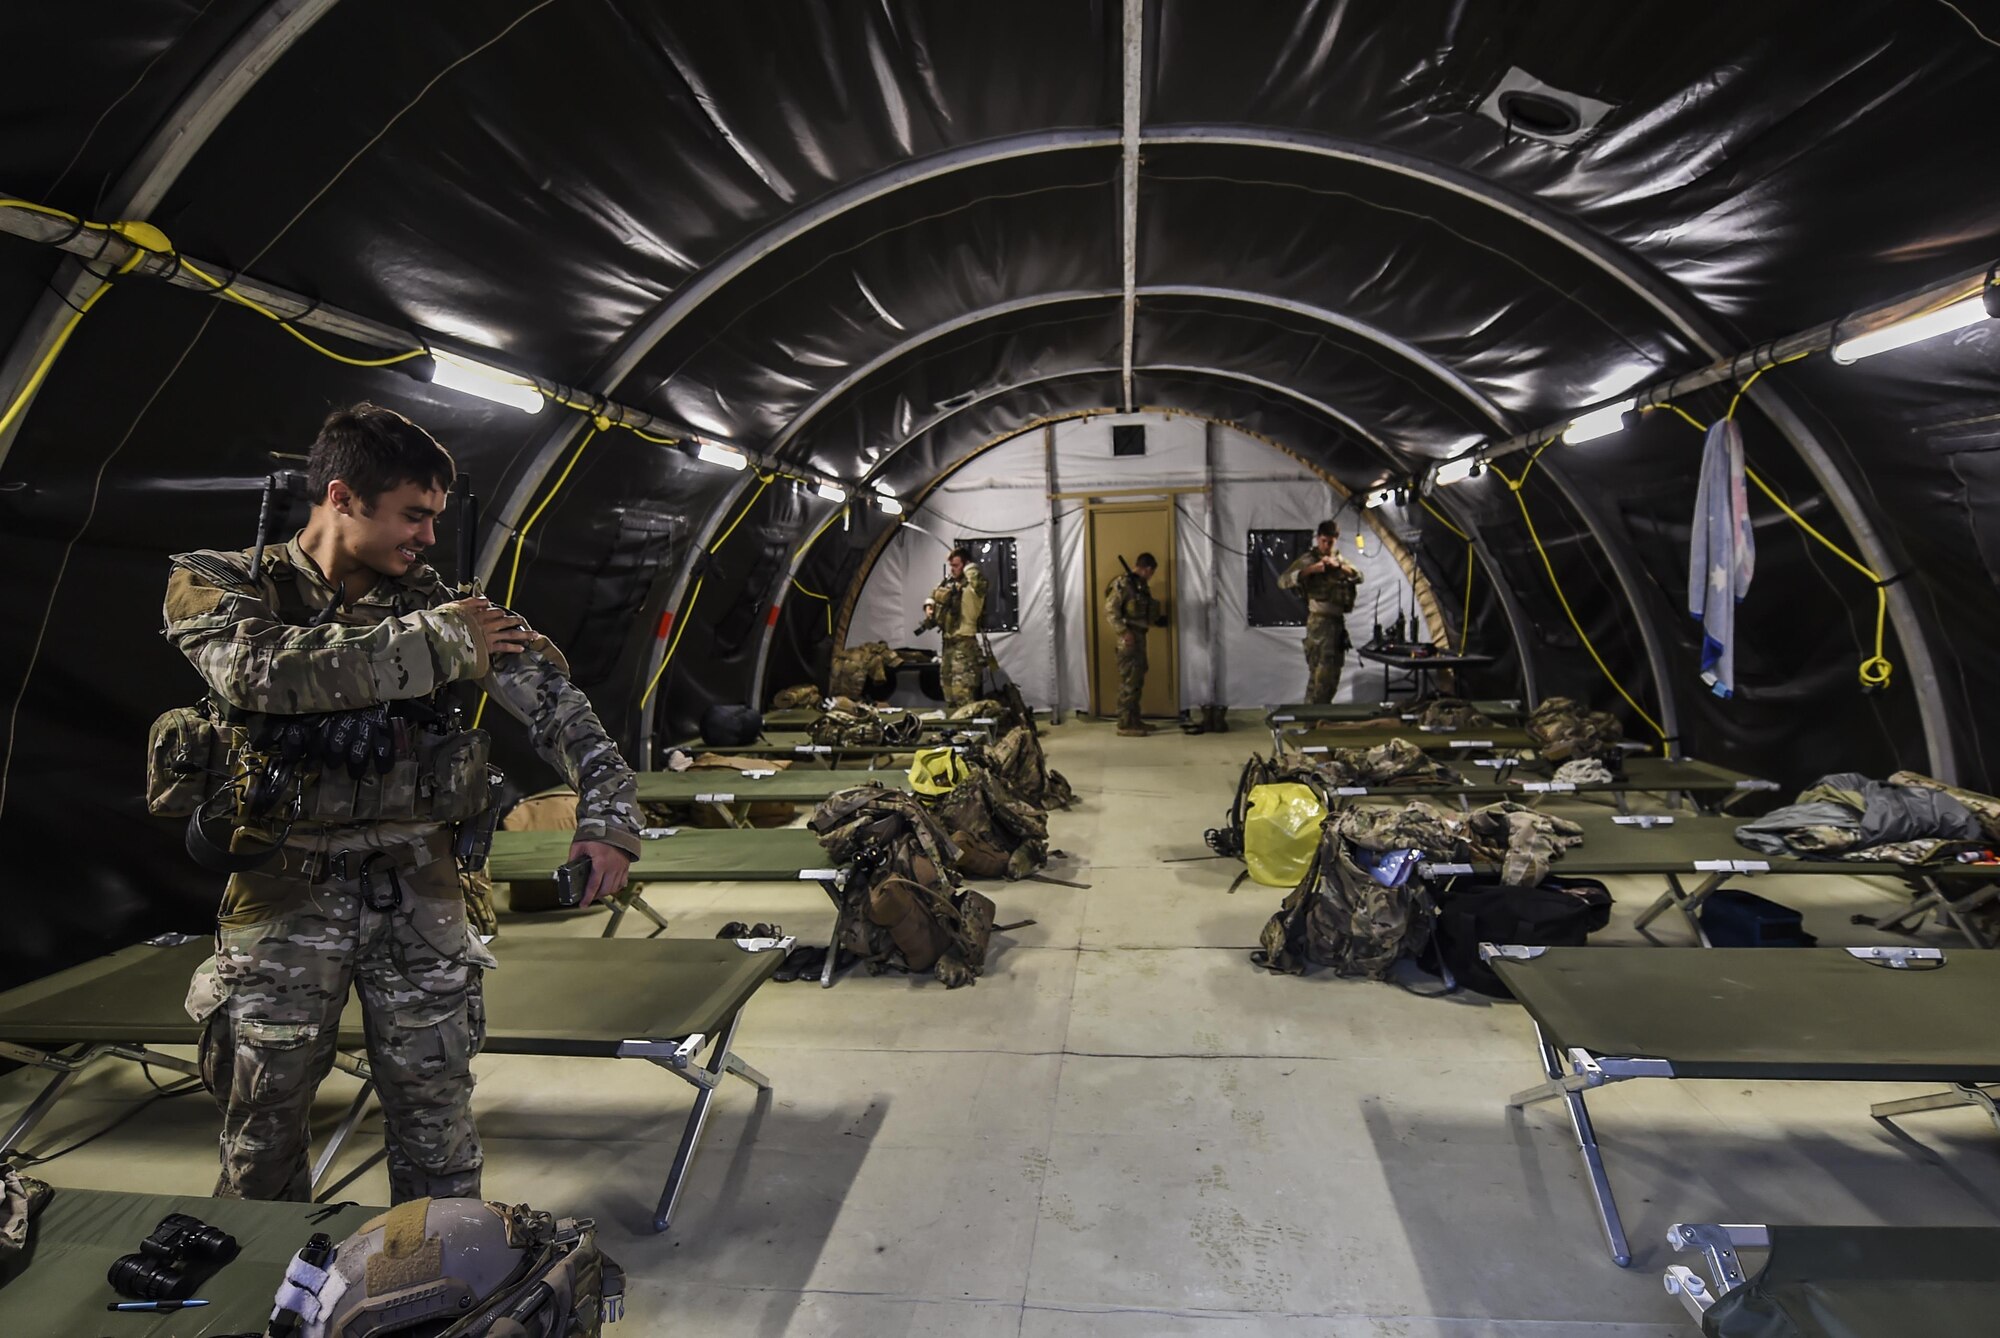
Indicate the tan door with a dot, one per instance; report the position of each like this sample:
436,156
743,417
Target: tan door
1128,529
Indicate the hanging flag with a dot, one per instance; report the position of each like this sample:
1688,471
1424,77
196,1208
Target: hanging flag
1722,554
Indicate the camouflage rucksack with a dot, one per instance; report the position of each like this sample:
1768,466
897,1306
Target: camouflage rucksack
791,699
902,902
1563,729
1344,916
846,729
983,709
1017,759
998,833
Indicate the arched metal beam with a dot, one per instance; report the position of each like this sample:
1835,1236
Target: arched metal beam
640,342
1517,621
154,169
832,394
1618,265
794,429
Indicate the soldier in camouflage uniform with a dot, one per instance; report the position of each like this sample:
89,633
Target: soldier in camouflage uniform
1328,581
1129,604
954,609
345,623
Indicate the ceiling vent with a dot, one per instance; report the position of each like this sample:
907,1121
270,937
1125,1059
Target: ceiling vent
1526,106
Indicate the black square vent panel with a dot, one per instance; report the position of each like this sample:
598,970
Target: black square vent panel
1128,439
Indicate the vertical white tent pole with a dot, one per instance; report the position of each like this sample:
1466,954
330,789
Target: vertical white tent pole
1212,434
1135,26
1056,658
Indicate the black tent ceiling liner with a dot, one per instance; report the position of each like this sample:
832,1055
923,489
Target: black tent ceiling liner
870,240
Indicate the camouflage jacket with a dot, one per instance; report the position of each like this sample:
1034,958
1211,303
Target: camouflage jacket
1564,729
855,669
1324,591
960,602
246,637
1129,603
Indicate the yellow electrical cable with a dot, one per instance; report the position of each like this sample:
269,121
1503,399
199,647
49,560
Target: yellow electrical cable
1426,504
224,290
139,253
763,481
1465,609
521,538
1520,498
1876,670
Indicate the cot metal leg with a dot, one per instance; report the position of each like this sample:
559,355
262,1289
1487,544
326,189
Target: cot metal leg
1688,903
341,1133
705,1078
633,899
1959,1094
38,1108
66,1067
1570,1087
1620,801
833,889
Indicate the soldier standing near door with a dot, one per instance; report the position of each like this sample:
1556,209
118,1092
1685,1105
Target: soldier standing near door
1328,583
954,609
1129,604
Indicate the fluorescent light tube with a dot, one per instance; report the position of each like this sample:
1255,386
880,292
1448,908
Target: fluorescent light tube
1942,321
889,504
1380,497
833,492
1454,471
710,453
488,383
1599,422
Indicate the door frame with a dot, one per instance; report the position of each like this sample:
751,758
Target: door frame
1170,558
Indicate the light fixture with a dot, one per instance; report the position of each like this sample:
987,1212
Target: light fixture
1380,497
883,488
1456,471
1928,326
833,492
488,383
1599,422
710,453
889,504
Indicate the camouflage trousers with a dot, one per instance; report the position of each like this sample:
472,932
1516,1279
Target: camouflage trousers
1326,652
287,951
1131,675
961,665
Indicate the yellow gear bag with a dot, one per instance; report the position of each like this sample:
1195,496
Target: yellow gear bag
936,771
1281,832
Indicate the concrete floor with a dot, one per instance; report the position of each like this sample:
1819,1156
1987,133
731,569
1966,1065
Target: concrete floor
1126,1129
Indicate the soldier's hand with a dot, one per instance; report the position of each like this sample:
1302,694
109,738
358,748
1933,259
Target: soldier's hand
609,869
502,630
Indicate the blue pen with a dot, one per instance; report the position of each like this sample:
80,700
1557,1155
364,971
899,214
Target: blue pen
154,1305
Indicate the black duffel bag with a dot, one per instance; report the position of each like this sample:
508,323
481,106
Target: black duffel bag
1558,913
731,726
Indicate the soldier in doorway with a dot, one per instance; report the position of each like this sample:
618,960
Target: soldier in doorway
954,609
1129,604
1328,581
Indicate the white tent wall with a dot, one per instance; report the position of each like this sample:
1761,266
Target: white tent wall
1249,485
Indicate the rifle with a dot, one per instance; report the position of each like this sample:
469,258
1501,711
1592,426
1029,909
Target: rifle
932,620
468,536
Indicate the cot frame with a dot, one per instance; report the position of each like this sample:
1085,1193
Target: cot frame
678,1055
1571,1072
